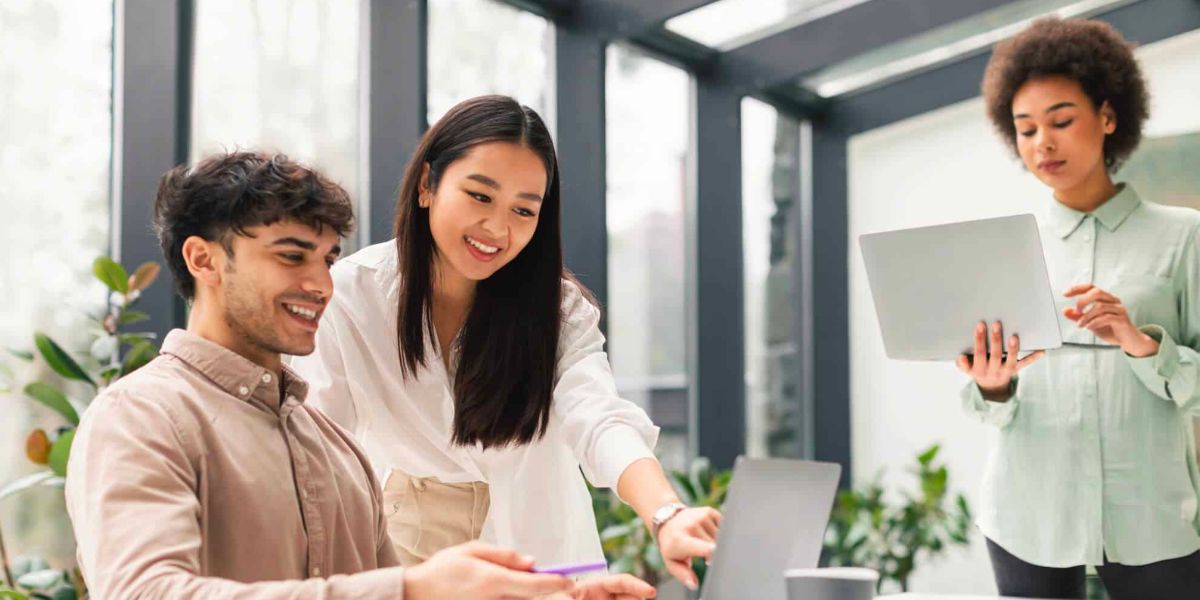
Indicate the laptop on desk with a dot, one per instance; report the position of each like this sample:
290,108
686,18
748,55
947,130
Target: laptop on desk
774,519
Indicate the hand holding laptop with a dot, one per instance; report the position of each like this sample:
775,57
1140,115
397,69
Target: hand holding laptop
993,372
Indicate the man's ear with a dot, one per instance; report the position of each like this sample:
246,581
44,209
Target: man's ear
205,260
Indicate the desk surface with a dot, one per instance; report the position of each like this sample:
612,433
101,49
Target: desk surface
911,596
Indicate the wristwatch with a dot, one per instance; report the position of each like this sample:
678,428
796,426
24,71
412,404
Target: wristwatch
665,513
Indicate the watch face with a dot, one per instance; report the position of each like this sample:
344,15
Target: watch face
666,512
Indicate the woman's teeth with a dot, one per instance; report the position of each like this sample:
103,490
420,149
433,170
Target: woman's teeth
304,312
482,247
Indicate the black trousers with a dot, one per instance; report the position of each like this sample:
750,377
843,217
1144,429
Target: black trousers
1174,579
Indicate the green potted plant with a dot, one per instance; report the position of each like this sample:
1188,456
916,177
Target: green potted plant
866,530
114,353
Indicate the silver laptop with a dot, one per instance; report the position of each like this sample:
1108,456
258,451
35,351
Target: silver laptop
932,285
774,520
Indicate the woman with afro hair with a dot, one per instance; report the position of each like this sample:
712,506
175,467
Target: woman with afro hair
1095,463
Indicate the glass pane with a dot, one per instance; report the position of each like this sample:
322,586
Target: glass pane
728,24
943,44
481,47
648,128
280,75
769,213
55,149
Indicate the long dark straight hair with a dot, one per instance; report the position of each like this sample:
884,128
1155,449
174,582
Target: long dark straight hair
508,345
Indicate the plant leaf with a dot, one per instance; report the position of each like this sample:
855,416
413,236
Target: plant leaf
37,447
40,580
141,353
60,452
130,317
12,595
24,355
59,360
111,274
927,456
143,276
54,399
46,478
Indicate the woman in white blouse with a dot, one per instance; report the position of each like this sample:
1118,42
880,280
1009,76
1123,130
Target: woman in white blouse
470,365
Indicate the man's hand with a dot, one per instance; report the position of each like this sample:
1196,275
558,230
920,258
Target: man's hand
480,572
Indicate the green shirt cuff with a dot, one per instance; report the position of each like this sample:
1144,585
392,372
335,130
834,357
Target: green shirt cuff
1157,370
998,414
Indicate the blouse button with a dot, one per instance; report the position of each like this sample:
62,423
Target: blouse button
243,390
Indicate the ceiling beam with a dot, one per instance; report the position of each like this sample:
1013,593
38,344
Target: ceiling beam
779,59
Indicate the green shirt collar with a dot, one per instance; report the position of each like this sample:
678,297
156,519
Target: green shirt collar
1065,220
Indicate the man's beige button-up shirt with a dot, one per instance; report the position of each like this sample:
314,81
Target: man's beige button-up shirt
202,475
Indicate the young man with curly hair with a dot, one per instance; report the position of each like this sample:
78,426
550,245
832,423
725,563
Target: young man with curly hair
205,474
1095,463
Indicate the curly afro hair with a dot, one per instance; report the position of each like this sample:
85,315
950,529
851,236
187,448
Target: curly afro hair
1090,52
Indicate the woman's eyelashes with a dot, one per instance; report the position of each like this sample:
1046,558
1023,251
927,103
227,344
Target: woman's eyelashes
1060,125
485,199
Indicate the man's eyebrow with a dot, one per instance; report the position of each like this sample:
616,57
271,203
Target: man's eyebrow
1048,110
294,241
492,183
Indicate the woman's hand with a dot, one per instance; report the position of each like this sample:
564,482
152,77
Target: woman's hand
1103,314
691,533
611,587
993,372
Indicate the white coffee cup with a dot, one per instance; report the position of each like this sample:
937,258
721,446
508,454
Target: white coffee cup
833,583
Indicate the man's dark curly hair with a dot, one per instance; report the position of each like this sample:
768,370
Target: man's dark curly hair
1092,53
225,194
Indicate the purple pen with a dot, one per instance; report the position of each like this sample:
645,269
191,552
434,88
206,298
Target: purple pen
572,569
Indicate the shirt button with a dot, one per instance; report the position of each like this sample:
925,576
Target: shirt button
266,378
243,390
316,571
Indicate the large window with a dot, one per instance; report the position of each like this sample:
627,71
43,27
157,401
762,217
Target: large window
648,126
770,215
281,75
55,150
484,47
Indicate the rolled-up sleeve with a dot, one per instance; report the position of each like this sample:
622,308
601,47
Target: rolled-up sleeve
606,432
997,414
132,497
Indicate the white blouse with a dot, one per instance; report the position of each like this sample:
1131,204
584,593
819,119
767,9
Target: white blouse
539,503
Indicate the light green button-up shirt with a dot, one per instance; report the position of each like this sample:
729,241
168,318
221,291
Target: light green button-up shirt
1095,455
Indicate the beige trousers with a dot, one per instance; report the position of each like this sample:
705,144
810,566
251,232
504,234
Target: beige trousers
426,515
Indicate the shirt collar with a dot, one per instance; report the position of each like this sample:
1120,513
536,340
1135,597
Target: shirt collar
1065,220
232,372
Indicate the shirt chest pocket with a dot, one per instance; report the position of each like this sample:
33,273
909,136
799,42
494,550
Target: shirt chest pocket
1149,299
